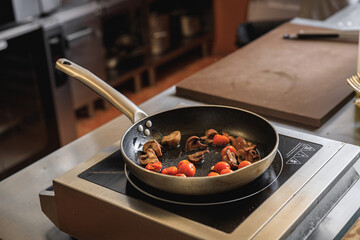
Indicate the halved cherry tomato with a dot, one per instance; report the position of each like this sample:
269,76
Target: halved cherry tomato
180,175
188,169
170,171
244,164
226,171
156,166
183,161
211,174
218,167
220,140
231,148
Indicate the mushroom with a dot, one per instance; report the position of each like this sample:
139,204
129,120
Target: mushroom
153,144
149,157
172,140
198,156
194,143
230,158
209,135
239,143
248,154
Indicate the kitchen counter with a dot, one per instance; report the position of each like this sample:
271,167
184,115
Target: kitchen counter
21,216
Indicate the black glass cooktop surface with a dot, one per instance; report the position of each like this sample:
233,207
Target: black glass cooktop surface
223,211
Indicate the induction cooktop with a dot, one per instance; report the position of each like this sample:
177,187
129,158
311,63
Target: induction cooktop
212,210
308,177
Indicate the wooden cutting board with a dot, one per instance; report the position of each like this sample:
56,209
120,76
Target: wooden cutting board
303,81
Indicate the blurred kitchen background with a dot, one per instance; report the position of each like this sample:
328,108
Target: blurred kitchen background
140,47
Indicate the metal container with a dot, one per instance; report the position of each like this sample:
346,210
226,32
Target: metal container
159,33
190,25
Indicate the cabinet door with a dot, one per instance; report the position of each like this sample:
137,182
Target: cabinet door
84,46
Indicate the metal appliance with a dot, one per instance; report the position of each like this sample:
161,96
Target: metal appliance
81,31
311,180
49,6
13,12
35,118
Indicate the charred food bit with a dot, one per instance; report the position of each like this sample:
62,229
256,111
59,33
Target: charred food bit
209,135
198,156
154,145
230,158
149,157
172,140
194,143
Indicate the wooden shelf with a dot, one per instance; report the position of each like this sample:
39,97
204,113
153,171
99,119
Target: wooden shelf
124,75
183,46
137,23
178,49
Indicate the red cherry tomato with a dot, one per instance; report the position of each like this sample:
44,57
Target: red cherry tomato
188,169
226,171
231,148
211,174
170,171
183,161
156,166
180,175
244,164
220,140
218,167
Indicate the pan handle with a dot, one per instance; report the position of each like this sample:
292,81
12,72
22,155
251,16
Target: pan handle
113,96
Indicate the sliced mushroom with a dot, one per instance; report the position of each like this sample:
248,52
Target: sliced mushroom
230,158
198,156
209,135
248,154
153,144
194,143
149,157
239,143
172,140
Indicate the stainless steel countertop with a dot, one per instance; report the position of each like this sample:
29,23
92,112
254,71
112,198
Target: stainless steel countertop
20,213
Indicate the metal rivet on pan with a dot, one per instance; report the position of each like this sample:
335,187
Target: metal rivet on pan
140,128
147,132
148,123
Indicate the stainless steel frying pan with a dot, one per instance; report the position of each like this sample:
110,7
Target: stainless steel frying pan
189,121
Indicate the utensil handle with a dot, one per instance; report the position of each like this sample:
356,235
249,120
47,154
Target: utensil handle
113,96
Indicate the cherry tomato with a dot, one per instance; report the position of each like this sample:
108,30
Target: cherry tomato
231,148
156,166
170,171
226,171
213,174
244,164
220,140
180,175
183,161
218,167
188,169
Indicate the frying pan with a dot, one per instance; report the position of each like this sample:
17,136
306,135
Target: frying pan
194,120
